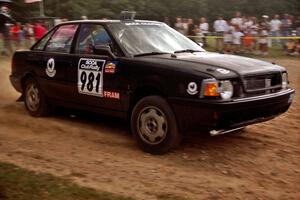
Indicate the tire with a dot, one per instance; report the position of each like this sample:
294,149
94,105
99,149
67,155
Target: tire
154,126
34,99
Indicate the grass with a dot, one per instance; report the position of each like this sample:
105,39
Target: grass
20,184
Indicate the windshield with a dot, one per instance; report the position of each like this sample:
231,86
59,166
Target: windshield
151,37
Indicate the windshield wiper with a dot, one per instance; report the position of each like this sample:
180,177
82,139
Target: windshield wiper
187,51
151,53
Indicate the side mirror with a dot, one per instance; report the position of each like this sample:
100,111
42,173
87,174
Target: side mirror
103,50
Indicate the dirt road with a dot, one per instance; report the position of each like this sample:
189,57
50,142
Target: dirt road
95,151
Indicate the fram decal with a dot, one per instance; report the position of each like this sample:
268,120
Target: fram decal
111,95
110,68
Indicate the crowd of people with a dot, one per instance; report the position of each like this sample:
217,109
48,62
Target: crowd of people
245,34
16,35
237,35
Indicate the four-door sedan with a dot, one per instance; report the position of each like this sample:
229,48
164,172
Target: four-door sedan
165,84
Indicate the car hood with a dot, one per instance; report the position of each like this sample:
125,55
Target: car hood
214,64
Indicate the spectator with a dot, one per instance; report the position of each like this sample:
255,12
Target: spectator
297,25
248,22
198,33
29,35
286,25
228,39
220,26
16,35
275,25
236,39
254,30
39,31
191,27
265,25
5,18
248,42
238,20
185,26
179,25
290,47
263,42
204,28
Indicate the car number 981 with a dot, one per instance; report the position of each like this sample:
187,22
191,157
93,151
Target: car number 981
90,77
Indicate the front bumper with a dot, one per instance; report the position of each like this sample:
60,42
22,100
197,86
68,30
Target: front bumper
195,115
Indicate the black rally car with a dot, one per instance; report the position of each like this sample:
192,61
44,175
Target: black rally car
145,71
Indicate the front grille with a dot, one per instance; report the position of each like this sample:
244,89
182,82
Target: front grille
262,82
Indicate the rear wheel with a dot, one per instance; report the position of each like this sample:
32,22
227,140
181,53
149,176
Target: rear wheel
154,125
35,100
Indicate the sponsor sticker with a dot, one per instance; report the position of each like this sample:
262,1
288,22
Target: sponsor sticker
192,88
111,95
110,68
50,69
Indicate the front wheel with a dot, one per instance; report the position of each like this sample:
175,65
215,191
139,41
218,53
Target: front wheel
35,101
154,125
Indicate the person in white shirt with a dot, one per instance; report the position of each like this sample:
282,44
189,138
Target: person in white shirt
228,39
238,20
179,25
204,28
236,39
263,42
275,25
220,26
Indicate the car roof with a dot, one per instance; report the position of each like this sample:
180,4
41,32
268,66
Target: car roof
108,21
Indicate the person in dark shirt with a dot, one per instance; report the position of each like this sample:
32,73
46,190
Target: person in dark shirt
191,27
5,18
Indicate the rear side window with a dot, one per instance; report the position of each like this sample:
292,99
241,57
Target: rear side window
61,41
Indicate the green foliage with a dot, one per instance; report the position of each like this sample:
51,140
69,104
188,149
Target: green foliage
155,9
20,184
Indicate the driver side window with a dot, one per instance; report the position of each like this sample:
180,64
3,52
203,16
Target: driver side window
91,35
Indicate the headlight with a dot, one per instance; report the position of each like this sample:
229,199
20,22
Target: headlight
226,89
284,82
214,88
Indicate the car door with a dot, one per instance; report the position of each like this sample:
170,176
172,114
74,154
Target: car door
94,79
54,62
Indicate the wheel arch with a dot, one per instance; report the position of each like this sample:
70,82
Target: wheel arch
26,76
144,91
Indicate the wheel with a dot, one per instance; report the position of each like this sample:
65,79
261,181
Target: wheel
35,101
154,126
